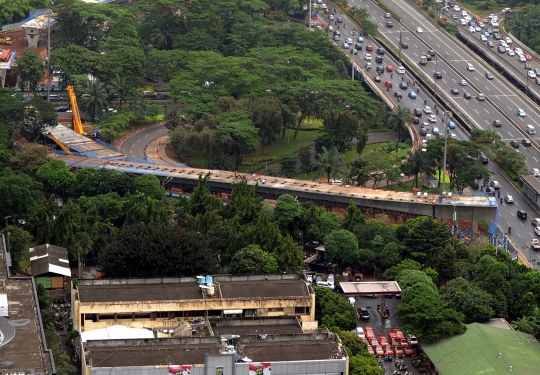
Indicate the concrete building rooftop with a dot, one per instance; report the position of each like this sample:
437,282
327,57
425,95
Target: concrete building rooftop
175,289
372,287
25,353
157,352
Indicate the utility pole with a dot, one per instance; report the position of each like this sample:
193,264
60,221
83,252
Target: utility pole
445,116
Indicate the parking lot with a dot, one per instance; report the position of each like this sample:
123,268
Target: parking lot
382,326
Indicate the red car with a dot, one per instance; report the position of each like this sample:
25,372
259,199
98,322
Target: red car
389,68
388,84
369,48
399,334
369,333
379,350
370,350
408,350
389,351
383,340
399,351
528,57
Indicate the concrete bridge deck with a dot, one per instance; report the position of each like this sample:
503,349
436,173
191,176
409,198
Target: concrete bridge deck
472,208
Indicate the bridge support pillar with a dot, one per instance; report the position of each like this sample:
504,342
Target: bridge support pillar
475,222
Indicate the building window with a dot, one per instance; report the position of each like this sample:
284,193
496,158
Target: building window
252,312
275,309
124,316
162,314
301,310
142,316
106,316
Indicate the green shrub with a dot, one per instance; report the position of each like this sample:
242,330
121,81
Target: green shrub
311,123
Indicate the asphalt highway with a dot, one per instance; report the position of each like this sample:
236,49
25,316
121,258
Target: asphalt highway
522,230
135,145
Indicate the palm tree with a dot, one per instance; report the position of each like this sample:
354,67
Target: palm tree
329,162
96,104
399,118
122,86
418,162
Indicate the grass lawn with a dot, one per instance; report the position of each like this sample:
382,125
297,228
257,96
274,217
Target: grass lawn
483,12
407,186
280,147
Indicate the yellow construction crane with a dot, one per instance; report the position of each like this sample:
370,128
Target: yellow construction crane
59,143
77,123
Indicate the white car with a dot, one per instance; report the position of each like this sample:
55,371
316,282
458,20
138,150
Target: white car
331,17
508,198
508,40
463,83
477,28
519,51
470,67
349,41
360,332
400,70
535,172
494,19
432,118
419,30
427,109
457,8
537,231
510,52
503,43
483,38
482,25
471,29
464,13
522,58
367,56
536,221
531,74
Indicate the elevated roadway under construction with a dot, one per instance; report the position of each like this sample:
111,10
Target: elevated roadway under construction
471,208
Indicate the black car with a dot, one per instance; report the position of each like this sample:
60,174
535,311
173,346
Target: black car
489,75
377,78
416,120
404,45
63,108
467,95
484,159
528,65
358,46
431,52
490,44
514,144
364,313
398,94
389,24
379,59
380,51
497,36
526,143
437,75
537,80
501,49
417,112
403,85
454,91
522,214
423,131
428,57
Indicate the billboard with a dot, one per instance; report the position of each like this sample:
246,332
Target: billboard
179,370
260,368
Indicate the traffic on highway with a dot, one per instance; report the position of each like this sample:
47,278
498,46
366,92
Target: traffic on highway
460,78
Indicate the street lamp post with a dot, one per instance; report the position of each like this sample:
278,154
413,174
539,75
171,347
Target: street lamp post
445,114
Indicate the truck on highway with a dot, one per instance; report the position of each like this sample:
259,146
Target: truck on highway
5,40
535,244
423,60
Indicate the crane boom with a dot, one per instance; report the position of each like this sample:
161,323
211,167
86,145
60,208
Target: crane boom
59,143
77,124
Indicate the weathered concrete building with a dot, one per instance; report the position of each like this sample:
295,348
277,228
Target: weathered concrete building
166,302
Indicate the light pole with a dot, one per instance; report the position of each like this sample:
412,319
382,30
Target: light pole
445,114
527,84
400,31
435,76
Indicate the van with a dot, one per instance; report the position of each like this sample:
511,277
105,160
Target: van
423,60
530,130
352,301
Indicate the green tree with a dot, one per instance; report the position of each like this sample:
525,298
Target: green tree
38,115
29,158
30,69
149,185
57,177
304,159
329,162
244,203
288,165
398,119
96,104
364,364
237,130
18,242
333,311
323,225
162,248
20,194
252,260
353,217
418,163
287,213
342,246
407,264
